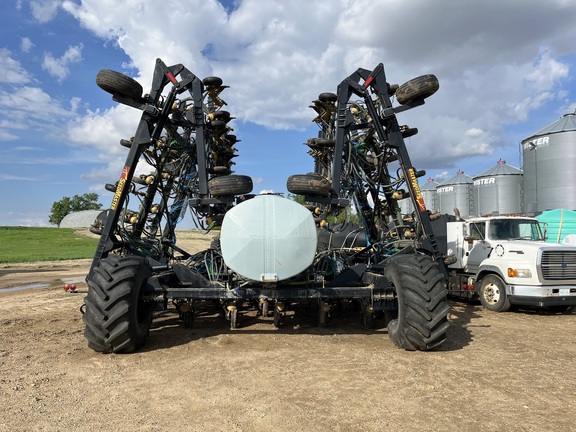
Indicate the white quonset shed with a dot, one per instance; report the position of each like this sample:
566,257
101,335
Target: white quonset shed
80,219
498,189
456,192
549,166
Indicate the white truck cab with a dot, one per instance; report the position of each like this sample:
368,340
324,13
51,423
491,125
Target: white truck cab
504,260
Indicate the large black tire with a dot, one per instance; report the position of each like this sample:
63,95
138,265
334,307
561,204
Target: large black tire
117,318
230,185
417,88
422,306
492,294
221,115
119,84
327,97
212,82
308,184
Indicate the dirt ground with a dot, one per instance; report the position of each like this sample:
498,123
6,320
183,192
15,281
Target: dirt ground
496,372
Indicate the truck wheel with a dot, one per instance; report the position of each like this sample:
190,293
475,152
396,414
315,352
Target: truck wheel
230,185
422,306
117,83
117,318
493,294
417,88
308,184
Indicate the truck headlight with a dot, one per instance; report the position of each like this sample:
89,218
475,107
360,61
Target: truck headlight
519,273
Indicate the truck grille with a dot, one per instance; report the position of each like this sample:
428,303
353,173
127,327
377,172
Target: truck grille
559,265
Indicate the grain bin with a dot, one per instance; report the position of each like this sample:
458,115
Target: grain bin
549,161
428,190
456,192
406,206
498,189
429,194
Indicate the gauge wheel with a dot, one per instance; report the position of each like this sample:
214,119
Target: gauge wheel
277,317
417,88
117,83
230,185
308,184
327,97
188,318
233,318
212,81
493,294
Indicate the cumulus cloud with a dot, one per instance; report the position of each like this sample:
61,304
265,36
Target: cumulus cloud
59,67
13,177
44,10
26,45
7,136
31,108
12,70
277,56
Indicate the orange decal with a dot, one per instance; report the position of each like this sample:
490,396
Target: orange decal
120,187
416,188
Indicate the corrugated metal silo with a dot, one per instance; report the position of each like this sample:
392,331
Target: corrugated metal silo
456,192
406,206
429,194
428,190
549,166
498,189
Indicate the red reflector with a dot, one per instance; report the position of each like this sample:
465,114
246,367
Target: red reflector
171,77
368,81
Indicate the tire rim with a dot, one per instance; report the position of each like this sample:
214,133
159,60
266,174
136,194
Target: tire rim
492,293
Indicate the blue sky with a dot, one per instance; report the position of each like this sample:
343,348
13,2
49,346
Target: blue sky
506,70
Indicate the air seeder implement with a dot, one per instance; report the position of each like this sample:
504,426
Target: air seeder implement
273,255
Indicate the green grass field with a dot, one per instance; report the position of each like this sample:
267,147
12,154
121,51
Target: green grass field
24,244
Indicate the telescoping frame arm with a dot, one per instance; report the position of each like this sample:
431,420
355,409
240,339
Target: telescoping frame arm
149,130
388,130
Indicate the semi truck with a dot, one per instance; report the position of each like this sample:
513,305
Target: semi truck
504,261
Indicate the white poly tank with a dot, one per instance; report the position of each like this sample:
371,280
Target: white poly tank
268,238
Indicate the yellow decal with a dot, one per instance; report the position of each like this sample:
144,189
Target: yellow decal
416,188
120,187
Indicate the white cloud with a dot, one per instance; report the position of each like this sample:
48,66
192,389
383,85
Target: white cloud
7,136
13,177
26,45
277,56
31,108
12,70
58,67
474,132
547,72
44,10
23,218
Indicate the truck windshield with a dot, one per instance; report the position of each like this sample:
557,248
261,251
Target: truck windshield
514,229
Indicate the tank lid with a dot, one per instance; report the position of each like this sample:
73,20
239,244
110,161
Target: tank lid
429,185
459,178
566,123
501,168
